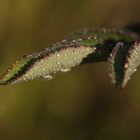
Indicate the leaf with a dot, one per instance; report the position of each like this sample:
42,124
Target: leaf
124,60
47,63
117,60
133,61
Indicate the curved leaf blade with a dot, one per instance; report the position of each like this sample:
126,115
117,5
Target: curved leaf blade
117,63
133,61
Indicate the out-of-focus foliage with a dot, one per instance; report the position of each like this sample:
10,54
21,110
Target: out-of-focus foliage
80,105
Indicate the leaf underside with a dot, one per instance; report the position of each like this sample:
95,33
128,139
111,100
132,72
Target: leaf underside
82,47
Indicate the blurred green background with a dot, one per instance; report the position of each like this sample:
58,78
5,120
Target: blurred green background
79,105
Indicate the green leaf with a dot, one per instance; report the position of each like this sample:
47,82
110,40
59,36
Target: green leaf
17,69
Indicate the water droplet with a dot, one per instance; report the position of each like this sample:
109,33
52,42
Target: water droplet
126,66
48,77
65,70
58,55
58,63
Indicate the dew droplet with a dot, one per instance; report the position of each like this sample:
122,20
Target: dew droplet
65,70
48,77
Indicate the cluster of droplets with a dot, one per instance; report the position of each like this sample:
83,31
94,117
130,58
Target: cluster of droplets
60,61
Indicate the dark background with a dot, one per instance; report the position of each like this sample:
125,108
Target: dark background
79,105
